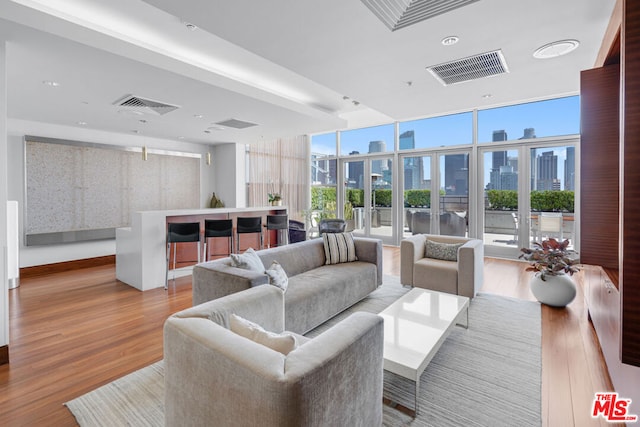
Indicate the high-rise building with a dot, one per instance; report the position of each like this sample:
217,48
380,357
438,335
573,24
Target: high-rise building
356,172
456,174
407,140
529,133
378,166
498,159
547,171
413,166
570,169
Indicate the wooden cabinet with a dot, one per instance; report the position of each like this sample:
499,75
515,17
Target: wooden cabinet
599,165
603,299
615,311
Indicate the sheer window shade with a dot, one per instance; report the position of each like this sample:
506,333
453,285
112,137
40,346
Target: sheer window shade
280,166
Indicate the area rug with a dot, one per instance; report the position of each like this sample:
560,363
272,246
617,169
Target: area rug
486,375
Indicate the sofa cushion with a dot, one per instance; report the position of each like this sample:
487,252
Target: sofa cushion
283,343
319,294
436,274
277,276
443,251
339,248
249,260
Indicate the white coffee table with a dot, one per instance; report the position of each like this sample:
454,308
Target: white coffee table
415,326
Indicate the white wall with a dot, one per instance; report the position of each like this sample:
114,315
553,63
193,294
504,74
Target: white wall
47,254
4,172
229,160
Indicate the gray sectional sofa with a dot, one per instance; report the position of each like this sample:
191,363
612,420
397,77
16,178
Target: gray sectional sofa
214,376
316,292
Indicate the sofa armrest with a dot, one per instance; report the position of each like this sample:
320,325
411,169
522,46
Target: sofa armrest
346,361
470,268
211,373
215,279
370,250
411,250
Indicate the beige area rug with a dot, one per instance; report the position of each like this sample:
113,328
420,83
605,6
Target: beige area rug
487,375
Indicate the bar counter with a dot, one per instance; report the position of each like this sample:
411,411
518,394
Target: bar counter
141,250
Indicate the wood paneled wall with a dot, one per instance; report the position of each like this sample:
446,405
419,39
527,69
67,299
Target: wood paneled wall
630,145
599,166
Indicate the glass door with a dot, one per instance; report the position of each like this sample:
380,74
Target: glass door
518,212
452,203
552,183
368,197
436,202
416,215
501,217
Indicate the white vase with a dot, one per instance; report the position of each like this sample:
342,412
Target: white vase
556,291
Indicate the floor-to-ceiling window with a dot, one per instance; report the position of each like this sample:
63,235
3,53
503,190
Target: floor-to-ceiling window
510,182
527,167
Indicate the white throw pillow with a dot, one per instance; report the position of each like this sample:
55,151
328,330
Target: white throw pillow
283,343
339,247
249,260
277,276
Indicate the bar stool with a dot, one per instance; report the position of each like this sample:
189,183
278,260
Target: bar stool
279,223
180,232
246,225
218,228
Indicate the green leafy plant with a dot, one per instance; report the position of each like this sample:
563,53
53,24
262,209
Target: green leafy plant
550,258
348,210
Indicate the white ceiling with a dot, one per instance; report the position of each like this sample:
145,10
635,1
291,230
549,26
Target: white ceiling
285,65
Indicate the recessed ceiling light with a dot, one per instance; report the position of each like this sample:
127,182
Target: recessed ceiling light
142,121
197,116
450,40
81,123
555,49
487,96
190,26
207,131
181,137
50,83
135,131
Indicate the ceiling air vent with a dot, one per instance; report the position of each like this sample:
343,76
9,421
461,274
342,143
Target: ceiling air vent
396,14
142,105
471,68
235,123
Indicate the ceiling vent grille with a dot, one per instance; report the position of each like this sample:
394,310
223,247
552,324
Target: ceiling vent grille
235,123
142,105
396,14
471,68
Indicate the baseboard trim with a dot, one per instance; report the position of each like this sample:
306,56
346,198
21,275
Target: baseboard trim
4,355
43,270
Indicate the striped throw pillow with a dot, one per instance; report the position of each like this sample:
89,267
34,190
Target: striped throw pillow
339,247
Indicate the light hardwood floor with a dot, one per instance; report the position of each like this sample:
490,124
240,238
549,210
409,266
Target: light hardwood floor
74,331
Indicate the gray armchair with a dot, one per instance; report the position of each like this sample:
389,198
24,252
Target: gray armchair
216,377
461,277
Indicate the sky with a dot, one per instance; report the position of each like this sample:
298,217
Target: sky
554,117
549,118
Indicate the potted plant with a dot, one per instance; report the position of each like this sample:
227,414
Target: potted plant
552,262
275,199
348,216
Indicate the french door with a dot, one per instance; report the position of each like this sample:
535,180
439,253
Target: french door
367,196
435,193
517,211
